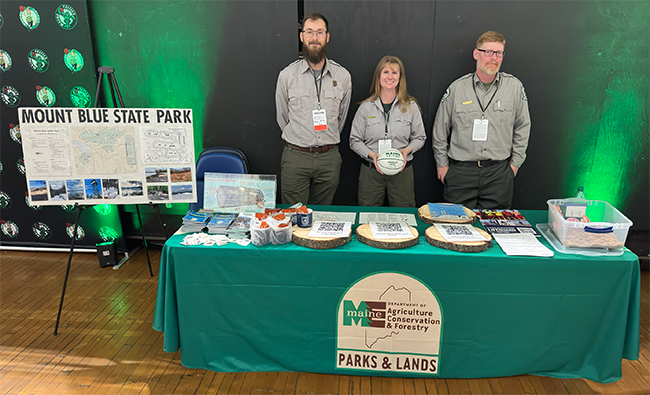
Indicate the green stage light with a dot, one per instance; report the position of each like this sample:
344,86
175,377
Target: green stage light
103,209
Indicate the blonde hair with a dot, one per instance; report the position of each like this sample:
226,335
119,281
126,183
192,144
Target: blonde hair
403,97
491,37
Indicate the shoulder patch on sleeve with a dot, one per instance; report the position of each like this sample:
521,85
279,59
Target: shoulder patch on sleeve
523,94
445,96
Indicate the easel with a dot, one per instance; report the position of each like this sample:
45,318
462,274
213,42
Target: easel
109,71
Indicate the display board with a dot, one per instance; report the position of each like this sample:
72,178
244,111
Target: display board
108,156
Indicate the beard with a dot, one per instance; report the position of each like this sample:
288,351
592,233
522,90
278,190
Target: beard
489,69
314,55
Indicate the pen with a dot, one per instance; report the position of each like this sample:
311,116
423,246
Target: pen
499,103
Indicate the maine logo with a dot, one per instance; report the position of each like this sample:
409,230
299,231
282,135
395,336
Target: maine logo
389,322
69,229
10,96
73,60
45,96
14,132
5,200
66,16
80,97
29,17
38,60
5,61
41,230
9,228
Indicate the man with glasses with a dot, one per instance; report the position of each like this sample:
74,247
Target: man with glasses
312,98
481,130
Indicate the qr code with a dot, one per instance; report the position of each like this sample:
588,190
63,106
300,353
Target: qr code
526,230
457,230
331,226
389,227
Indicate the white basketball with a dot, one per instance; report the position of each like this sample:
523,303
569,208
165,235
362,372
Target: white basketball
390,162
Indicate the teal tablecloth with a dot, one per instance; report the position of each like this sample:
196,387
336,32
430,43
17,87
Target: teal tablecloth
273,308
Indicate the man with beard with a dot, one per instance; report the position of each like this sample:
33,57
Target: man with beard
312,98
481,130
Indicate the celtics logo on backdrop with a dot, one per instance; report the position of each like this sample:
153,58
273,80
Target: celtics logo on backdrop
5,61
29,204
80,97
73,60
10,96
69,208
41,230
69,230
66,16
29,17
108,234
38,60
389,322
5,200
14,132
45,96
20,165
2,21
9,228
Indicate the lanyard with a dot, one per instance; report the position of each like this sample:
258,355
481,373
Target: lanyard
386,118
479,100
319,86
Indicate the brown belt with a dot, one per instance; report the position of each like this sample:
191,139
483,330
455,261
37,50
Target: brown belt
313,150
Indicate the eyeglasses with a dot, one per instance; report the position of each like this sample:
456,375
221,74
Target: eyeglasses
489,53
310,33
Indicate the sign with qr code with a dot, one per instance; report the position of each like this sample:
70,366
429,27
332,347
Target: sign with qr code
330,229
389,321
459,232
390,230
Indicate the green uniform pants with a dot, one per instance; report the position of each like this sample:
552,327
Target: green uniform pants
373,187
309,178
480,187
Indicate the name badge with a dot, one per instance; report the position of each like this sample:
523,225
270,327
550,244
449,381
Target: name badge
320,120
480,130
384,145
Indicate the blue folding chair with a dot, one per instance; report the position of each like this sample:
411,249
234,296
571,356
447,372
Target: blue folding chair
217,160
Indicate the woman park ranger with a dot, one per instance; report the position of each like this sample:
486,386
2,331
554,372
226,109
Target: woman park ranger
388,118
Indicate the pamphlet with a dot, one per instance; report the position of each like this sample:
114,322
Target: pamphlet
365,218
522,244
459,232
330,229
504,222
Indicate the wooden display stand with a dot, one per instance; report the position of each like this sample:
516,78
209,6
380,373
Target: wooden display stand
365,236
301,238
434,238
425,216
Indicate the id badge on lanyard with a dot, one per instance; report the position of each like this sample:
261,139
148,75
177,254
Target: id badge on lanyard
384,145
320,120
480,131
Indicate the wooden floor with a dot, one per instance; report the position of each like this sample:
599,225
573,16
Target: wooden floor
106,344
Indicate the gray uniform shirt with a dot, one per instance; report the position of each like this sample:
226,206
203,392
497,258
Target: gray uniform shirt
509,121
296,98
369,126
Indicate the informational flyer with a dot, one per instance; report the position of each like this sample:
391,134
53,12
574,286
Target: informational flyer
330,229
108,156
365,218
234,193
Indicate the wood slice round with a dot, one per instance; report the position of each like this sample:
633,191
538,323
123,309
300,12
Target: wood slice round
425,216
435,239
365,236
300,237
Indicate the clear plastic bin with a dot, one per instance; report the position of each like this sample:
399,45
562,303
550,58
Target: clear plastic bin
607,228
